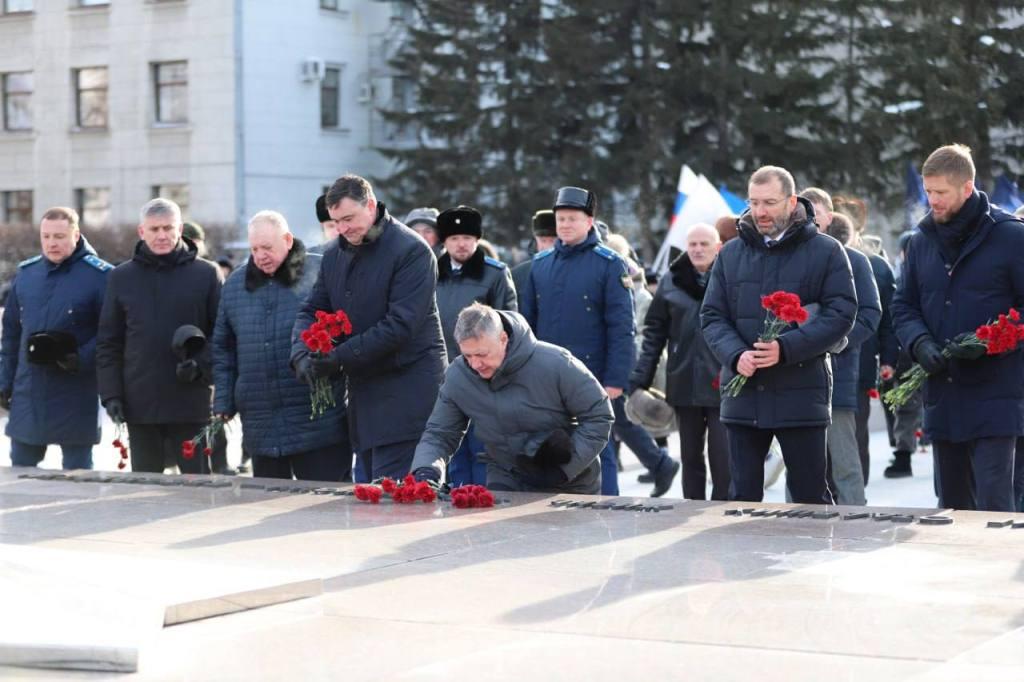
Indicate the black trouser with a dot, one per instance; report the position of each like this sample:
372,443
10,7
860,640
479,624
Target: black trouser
153,445
803,450
391,459
976,474
863,434
693,423
322,464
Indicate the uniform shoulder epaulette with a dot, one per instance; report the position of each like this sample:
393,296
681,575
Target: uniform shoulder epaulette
544,254
98,263
30,261
605,252
494,263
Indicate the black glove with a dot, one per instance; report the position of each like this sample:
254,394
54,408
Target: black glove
187,371
323,366
539,476
5,400
115,410
972,351
929,355
555,451
69,363
427,474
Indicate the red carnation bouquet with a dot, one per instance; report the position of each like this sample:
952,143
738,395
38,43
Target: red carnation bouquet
996,338
121,443
783,309
410,491
321,338
204,438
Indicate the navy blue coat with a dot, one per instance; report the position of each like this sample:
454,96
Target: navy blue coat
50,405
846,365
972,398
798,391
480,280
882,348
580,297
395,359
252,345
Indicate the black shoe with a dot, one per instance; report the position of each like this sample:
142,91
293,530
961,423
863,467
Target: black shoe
900,466
645,477
663,479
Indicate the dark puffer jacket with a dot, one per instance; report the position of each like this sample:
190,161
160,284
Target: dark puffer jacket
943,297
49,404
674,318
147,299
252,345
882,348
480,280
798,391
846,365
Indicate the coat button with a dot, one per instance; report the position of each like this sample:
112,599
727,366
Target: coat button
949,379
949,303
356,351
760,388
348,293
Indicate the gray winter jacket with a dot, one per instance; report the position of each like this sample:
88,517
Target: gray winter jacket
538,389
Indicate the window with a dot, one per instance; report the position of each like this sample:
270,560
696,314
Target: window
18,101
177,193
330,98
91,97
17,207
92,3
329,4
15,6
170,81
93,206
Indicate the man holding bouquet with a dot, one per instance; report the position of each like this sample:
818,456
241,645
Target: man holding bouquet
788,384
963,269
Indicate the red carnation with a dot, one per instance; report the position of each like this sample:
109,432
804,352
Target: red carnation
716,383
360,492
918,433
388,485
873,393
188,449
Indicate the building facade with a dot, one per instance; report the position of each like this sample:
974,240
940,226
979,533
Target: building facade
226,106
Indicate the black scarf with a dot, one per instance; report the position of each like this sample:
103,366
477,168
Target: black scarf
472,268
287,274
954,234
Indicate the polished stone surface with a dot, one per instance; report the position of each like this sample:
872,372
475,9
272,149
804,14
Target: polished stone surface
531,591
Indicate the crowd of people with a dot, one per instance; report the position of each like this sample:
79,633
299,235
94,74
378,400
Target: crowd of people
457,368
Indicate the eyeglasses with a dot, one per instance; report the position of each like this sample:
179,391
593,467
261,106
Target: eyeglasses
767,203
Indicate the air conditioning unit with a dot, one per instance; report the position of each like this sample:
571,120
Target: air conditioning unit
312,70
365,93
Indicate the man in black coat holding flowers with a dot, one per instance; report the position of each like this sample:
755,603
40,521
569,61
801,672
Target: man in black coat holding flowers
789,381
383,275
963,269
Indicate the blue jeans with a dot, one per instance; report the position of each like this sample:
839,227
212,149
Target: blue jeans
74,456
464,468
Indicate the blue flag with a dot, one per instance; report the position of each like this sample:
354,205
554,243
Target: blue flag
1006,194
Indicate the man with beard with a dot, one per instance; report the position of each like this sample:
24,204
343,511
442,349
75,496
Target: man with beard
162,300
963,269
383,275
788,391
466,275
48,351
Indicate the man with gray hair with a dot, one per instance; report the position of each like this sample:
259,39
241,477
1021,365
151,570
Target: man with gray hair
251,350
788,389
152,364
541,415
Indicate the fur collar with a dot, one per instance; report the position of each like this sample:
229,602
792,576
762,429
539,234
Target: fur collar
287,274
472,268
684,276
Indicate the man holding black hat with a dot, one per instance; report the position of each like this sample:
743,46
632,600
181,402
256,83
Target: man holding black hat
466,275
543,239
579,296
48,346
152,359
424,221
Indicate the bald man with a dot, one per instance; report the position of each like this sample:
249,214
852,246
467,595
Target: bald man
692,369
251,350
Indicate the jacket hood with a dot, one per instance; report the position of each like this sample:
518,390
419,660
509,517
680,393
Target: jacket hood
801,227
184,252
472,268
521,344
288,273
